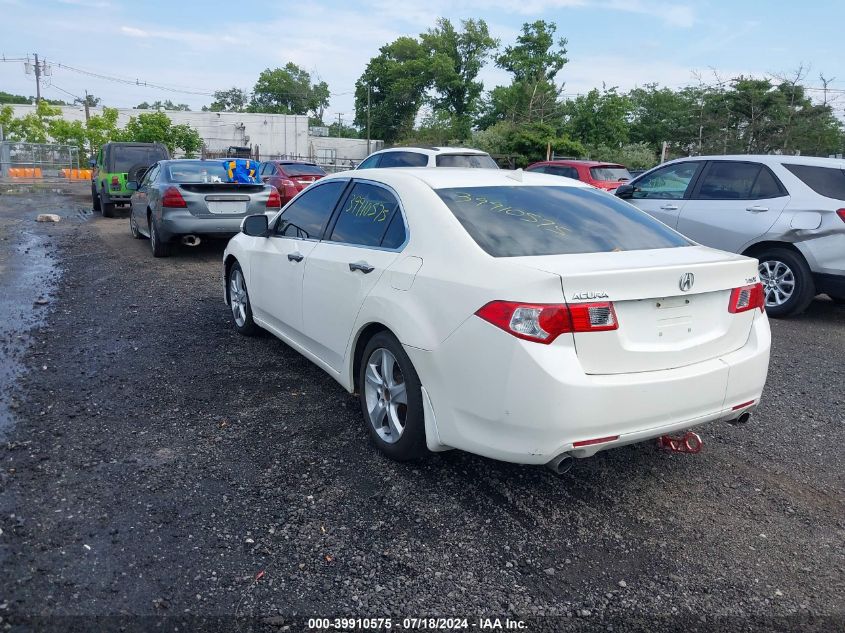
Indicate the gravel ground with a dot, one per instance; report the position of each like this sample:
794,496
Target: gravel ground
160,464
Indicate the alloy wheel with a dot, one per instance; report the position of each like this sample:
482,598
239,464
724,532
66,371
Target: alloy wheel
778,282
238,299
386,395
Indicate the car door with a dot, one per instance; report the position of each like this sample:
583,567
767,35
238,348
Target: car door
732,203
277,262
140,198
661,193
365,238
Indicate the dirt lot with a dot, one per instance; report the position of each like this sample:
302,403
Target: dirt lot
153,462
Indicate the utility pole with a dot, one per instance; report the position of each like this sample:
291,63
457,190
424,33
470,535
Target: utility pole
339,122
368,119
37,80
87,114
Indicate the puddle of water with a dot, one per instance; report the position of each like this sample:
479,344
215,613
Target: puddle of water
27,275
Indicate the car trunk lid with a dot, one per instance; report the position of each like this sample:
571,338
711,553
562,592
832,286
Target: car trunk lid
661,325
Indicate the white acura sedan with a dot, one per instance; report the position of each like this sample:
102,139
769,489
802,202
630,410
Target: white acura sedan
520,316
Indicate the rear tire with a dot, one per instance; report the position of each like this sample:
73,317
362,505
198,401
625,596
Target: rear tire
837,300
788,286
95,199
107,208
391,399
159,248
239,302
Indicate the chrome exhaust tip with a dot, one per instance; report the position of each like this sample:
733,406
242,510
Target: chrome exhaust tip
191,240
561,464
744,417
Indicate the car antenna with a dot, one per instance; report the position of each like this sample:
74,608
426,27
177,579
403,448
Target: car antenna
516,174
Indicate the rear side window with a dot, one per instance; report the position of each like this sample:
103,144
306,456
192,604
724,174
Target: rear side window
306,217
479,161
728,180
365,216
122,158
562,170
825,181
403,159
515,221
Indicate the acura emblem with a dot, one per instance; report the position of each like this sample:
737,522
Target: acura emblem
687,280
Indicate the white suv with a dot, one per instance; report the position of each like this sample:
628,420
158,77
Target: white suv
786,211
429,157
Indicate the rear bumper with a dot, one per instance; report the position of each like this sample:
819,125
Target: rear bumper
522,402
176,222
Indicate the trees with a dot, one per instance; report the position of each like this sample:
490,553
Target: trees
289,90
456,59
231,100
156,127
598,118
158,105
396,80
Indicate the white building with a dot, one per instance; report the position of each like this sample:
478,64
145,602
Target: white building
276,135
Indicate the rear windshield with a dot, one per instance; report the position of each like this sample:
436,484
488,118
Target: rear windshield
825,181
610,172
194,171
303,170
515,221
123,158
482,161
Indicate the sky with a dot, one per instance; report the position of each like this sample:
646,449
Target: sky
196,46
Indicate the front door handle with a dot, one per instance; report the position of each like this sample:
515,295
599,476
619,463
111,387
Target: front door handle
364,267
756,209
296,256
669,207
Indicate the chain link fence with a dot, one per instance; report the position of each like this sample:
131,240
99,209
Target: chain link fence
33,162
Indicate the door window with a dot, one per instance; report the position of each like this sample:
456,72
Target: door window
403,159
668,183
306,217
365,216
371,162
730,180
561,170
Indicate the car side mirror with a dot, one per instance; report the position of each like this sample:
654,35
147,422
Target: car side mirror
625,191
255,225
132,185
92,162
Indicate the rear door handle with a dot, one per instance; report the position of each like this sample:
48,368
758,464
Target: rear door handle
756,209
669,207
364,267
295,257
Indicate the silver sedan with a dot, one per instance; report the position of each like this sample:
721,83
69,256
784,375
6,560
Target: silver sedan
180,200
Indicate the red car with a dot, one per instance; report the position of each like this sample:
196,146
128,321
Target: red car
607,176
290,176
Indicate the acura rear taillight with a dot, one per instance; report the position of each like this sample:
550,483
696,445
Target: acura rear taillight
172,198
274,200
841,214
747,298
544,322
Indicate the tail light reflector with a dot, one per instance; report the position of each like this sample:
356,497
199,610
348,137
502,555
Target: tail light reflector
544,322
115,182
274,200
172,198
743,405
747,298
841,214
598,440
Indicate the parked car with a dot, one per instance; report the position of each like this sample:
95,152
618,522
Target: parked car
520,316
290,176
787,211
429,157
185,199
607,176
115,165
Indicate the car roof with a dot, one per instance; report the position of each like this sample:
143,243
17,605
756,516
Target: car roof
432,150
450,177
771,159
576,161
290,162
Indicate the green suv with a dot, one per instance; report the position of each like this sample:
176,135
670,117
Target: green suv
117,163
